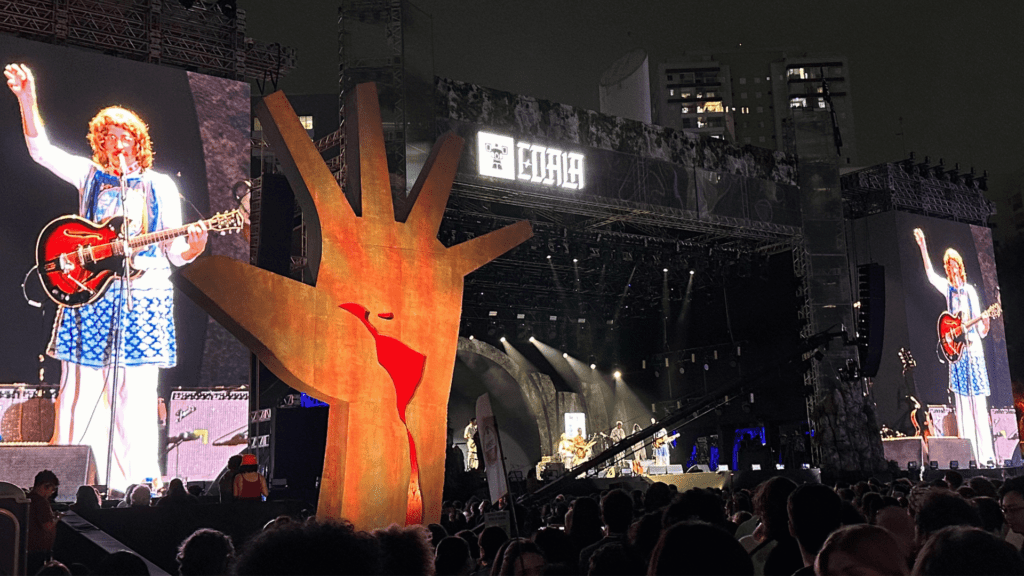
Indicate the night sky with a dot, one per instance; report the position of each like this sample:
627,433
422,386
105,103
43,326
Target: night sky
951,70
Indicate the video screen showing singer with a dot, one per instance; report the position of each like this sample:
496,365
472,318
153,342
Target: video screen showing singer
132,326
960,341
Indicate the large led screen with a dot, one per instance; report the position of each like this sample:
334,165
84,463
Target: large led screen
199,127
944,341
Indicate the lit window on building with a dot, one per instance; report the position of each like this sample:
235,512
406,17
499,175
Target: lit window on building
798,102
306,121
796,73
710,107
671,91
821,103
686,110
711,94
686,93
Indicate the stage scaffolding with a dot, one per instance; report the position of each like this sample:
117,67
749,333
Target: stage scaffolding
201,38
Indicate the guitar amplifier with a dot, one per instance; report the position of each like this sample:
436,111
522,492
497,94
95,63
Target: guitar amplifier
27,412
944,420
1005,433
204,429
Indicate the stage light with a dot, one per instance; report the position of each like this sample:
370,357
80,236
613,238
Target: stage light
520,316
502,338
664,270
934,465
471,337
913,465
618,374
492,313
532,339
565,354
575,260
692,272
990,464
593,366
972,464
954,464
549,256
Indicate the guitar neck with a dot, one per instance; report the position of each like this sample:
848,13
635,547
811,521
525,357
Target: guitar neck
158,236
986,314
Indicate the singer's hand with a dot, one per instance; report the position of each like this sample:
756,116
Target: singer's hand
20,81
197,237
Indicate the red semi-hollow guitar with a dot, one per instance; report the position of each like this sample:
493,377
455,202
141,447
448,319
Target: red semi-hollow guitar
953,331
78,258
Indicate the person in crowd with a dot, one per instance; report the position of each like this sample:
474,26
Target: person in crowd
491,540
437,533
405,550
954,479
557,550
519,557
226,484
451,558
249,484
177,495
776,552
991,516
316,547
657,497
815,511
696,504
617,515
583,524
87,498
42,521
898,521
644,535
860,549
983,487
962,550
698,548
1011,499
123,563
943,509
471,544
141,496
615,559
206,552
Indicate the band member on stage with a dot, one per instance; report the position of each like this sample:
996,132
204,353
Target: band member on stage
84,338
968,376
618,434
661,455
581,448
639,450
565,450
469,434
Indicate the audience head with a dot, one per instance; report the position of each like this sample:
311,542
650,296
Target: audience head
695,504
644,534
991,515
519,557
615,559
815,511
405,550
234,462
122,563
953,479
1011,498
983,487
471,542
437,533
45,484
556,548
860,549
967,550
657,497
491,540
141,495
943,509
87,498
248,464
617,511
452,557
698,548
314,548
205,552
176,488
770,503
898,521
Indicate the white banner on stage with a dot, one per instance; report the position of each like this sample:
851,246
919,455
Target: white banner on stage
492,455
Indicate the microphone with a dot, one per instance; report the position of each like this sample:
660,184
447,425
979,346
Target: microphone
124,165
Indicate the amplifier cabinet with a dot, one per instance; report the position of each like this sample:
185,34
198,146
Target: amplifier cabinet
204,429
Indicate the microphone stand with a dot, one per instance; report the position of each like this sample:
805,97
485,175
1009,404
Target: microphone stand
124,303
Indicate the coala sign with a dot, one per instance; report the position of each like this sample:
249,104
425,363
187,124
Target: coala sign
502,157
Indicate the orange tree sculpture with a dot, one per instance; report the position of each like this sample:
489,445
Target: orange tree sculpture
376,336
